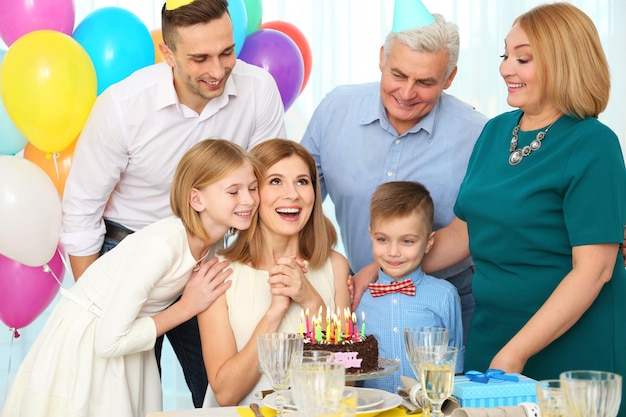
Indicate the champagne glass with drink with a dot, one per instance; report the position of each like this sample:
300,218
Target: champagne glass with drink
436,374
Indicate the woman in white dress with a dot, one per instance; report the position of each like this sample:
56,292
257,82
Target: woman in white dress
95,355
281,265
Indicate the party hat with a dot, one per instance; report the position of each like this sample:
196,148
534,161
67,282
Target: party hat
408,14
175,4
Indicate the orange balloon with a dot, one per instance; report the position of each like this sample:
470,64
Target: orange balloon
56,165
157,37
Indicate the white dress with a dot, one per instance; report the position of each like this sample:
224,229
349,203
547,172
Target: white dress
249,297
101,362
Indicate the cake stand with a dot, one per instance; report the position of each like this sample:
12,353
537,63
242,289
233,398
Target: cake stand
385,367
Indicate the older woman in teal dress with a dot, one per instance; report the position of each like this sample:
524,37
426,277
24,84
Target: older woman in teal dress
542,209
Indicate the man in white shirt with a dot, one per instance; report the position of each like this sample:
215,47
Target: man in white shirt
139,129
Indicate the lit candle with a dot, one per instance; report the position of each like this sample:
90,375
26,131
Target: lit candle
318,330
346,317
339,330
327,324
302,322
355,332
363,323
308,330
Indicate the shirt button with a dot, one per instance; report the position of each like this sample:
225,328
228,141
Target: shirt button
397,141
394,301
389,173
395,330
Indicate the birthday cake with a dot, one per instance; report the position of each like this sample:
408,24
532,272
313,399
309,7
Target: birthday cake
354,349
358,357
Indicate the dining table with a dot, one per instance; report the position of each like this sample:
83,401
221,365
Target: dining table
241,411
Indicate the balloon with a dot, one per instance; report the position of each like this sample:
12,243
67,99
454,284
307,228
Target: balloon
157,37
19,17
26,291
239,17
279,55
55,165
48,87
117,42
254,10
11,139
298,37
30,212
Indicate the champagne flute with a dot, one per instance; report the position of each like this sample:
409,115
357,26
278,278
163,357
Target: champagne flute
591,393
436,370
275,352
422,337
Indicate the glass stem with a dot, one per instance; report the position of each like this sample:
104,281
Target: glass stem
280,402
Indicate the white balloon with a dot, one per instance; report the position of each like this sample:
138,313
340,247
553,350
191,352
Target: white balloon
30,212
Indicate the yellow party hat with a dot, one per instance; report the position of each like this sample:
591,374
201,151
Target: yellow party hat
175,4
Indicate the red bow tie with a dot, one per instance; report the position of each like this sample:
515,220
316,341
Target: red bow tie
405,287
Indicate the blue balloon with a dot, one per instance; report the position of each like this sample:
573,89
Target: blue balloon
117,42
239,17
11,139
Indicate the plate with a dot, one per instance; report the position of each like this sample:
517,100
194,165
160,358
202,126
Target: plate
371,401
386,367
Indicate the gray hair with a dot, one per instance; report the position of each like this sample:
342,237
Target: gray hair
436,37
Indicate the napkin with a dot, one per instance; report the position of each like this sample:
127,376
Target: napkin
412,396
510,411
247,412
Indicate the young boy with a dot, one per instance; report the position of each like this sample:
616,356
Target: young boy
401,230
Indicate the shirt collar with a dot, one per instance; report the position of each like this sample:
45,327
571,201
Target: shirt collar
379,113
415,276
167,95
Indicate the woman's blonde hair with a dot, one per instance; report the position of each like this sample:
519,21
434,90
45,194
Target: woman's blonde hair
206,163
571,64
318,236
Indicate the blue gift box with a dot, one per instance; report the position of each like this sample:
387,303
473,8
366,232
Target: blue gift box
495,392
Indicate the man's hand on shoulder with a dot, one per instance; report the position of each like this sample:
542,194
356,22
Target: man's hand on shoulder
360,281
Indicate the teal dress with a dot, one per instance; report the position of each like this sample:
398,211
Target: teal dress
523,221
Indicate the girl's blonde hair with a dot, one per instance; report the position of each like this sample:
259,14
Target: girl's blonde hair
206,163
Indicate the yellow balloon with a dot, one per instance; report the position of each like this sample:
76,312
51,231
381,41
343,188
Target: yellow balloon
48,85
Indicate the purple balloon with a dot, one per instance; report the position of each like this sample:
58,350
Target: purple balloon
26,291
19,17
278,54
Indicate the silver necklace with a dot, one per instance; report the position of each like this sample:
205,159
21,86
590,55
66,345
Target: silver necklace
518,154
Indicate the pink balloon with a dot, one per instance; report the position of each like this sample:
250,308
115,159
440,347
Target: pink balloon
26,291
19,17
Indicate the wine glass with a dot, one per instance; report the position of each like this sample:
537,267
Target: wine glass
275,352
591,393
436,371
317,387
422,337
550,398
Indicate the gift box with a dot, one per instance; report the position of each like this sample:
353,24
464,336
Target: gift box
493,389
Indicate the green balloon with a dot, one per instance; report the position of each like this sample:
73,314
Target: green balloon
254,9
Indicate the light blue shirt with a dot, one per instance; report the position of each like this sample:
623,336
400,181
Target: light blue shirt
356,149
435,303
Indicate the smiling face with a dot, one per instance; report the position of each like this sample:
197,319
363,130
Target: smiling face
399,244
411,83
230,202
287,197
519,72
203,61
